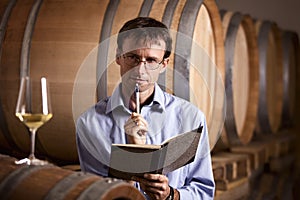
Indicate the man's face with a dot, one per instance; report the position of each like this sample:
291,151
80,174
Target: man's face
141,74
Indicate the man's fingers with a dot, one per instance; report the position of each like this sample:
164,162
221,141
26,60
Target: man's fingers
156,177
139,120
136,126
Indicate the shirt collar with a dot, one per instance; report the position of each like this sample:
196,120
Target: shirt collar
116,99
159,96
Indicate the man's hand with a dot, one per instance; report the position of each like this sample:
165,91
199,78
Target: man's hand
136,128
156,186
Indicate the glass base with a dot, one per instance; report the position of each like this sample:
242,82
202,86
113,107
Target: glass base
33,161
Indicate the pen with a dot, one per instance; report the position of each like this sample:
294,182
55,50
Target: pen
137,97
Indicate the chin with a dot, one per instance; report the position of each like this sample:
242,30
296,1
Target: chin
146,86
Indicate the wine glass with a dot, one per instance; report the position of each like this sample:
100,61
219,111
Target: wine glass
33,109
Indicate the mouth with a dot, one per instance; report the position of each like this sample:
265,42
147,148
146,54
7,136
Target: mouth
139,80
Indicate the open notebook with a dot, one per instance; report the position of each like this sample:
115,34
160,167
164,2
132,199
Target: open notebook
129,160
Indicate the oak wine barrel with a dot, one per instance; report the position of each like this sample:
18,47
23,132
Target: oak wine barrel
50,182
270,77
241,81
59,39
291,54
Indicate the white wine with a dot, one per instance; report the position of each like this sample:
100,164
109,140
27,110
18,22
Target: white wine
33,121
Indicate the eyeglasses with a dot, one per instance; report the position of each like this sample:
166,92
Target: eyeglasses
134,60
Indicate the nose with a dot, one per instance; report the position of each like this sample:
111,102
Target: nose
141,67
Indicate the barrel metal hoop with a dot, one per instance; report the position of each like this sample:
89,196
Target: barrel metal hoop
169,13
98,189
262,49
230,41
61,189
167,20
4,20
146,8
26,44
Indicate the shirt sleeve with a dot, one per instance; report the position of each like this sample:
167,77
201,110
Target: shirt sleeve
88,163
91,149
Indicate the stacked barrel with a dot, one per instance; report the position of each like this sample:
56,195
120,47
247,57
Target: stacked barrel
238,70
260,84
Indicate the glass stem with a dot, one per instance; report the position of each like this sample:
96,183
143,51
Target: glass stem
32,137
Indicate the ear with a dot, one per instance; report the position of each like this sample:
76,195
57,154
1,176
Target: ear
118,56
164,65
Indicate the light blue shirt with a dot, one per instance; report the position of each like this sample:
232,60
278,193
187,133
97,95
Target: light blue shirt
167,116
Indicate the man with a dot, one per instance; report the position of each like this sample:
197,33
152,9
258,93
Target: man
144,46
